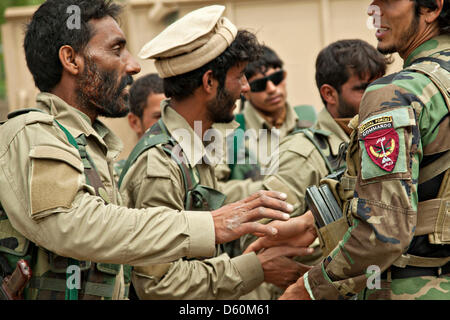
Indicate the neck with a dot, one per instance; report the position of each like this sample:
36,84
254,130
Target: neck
192,110
431,31
70,97
275,117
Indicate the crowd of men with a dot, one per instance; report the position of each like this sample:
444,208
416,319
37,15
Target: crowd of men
219,203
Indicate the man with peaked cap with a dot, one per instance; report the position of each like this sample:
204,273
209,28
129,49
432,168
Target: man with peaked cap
61,204
202,58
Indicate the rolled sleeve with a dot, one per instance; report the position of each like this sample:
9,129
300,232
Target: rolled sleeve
201,234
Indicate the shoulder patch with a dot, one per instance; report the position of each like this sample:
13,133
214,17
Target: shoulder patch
382,143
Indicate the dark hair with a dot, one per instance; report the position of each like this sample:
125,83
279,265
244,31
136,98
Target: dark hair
337,62
49,30
141,89
444,17
244,48
269,59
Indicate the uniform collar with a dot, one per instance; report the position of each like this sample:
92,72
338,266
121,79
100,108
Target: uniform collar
428,48
79,123
326,122
256,121
188,139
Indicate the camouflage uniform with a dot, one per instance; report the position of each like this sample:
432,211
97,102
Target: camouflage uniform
155,179
403,127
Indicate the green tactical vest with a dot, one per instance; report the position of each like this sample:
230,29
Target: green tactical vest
49,276
198,197
241,162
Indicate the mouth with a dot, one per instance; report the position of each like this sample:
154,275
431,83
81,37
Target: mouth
381,32
274,100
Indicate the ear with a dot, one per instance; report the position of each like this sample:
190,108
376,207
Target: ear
209,82
70,60
135,123
329,94
432,15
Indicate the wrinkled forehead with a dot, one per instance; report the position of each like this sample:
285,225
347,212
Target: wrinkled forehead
105,31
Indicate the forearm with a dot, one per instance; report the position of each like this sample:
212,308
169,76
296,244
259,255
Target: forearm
216,278
379,234
93,231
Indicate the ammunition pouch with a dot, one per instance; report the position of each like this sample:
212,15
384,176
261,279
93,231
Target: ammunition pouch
331,234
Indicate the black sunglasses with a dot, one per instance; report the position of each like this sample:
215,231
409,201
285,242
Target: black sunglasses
259,85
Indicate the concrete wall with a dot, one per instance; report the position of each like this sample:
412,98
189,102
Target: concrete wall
296,29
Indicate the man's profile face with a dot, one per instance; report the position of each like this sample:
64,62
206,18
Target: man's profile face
221,108
398,27
273,98
351,94
152,110
107,71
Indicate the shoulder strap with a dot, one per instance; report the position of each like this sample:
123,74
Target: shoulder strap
438,71
151,138
159,135
237,140
318,139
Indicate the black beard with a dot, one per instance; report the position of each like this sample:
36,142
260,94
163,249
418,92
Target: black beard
344,110
219,109
403,42
98,90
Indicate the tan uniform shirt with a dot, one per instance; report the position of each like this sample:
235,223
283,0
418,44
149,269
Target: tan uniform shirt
156,180
299,163
44,192
238,189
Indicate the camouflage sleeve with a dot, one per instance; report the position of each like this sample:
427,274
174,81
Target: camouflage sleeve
383,210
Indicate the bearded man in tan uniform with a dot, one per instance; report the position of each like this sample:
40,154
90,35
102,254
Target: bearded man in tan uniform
173,167
57,188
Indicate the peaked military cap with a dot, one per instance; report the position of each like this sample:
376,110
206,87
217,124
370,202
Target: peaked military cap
190,42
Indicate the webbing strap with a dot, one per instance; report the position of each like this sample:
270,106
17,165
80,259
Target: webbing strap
415,261
155,136
311,134
427,214
59,285
435,168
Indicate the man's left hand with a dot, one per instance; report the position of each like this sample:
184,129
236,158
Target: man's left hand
297,291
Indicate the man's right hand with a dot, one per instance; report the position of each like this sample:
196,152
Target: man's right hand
236,219
297,232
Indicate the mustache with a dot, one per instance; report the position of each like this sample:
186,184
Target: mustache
125,81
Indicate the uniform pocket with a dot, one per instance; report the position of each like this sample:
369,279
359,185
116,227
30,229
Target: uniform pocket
55,178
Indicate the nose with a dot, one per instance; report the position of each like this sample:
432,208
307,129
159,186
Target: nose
245,87
270,87
133,67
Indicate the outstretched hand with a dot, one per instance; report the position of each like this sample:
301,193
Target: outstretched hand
239,218
298,232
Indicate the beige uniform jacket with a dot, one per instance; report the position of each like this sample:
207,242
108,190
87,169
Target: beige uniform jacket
44,192
156,180
238,189
299,163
